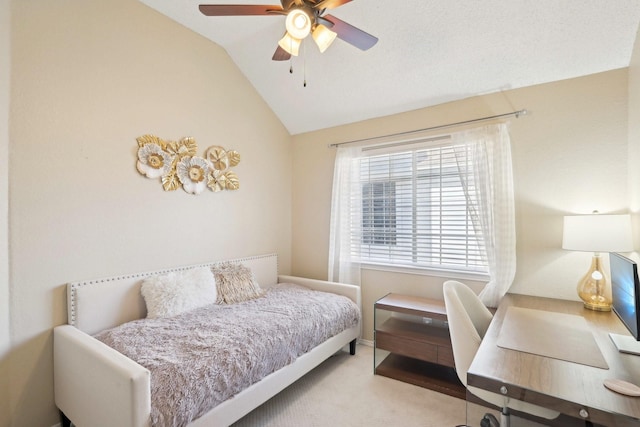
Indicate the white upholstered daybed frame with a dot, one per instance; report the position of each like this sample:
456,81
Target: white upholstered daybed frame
97,386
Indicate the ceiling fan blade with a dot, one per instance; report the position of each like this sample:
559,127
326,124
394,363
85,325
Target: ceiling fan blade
281,55
288,4
349,33
239,9
330,4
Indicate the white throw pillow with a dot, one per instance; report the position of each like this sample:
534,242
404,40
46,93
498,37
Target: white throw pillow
176,292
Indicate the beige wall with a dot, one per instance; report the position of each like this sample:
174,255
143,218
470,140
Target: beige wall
569,156
88,77
5,338
634,139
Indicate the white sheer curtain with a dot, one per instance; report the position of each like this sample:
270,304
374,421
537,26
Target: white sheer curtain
346,199
488,149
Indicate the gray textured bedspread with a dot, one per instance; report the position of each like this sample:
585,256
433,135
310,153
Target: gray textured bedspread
203,357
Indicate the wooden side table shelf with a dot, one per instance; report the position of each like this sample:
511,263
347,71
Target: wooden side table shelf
412,343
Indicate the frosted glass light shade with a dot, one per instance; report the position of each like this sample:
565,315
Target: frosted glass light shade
298,24
597,233
290,44
323,37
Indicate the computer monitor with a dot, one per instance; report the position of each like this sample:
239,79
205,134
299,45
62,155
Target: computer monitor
625,290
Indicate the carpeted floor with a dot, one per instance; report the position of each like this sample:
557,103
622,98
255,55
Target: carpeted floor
344,392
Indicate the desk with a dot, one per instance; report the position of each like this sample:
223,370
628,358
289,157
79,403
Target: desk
570,388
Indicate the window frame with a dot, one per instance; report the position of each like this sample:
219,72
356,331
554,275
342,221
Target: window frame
414,267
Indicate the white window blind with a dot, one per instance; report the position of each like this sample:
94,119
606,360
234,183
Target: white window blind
414,211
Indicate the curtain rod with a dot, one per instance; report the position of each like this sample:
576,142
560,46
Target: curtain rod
517,114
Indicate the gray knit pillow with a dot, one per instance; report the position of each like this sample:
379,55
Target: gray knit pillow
235,283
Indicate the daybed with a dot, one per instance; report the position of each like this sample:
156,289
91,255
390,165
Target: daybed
96,385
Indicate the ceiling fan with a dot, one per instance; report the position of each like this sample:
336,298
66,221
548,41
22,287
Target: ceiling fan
303,17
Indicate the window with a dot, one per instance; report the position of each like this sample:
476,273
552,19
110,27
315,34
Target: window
379,213
427,203
415,210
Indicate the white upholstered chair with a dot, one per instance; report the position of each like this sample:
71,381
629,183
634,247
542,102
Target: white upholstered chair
468,322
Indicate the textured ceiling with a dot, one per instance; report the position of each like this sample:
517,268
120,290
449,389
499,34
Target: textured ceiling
429,52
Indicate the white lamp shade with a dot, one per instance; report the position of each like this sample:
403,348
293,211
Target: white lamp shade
597,233
290,44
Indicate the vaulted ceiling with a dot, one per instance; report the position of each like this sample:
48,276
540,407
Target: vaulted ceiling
429,52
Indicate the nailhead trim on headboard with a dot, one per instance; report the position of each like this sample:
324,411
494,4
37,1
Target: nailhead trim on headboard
72,299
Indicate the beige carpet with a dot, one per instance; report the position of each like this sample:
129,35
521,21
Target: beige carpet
344,392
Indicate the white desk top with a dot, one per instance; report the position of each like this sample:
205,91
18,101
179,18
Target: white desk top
559,384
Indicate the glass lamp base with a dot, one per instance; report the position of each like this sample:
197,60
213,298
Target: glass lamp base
594,289
597,307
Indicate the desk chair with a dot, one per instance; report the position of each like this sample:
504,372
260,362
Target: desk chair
468,322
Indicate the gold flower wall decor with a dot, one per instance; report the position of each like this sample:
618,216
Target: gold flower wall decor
177,165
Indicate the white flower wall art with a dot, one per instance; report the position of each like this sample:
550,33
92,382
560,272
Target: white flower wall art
176,163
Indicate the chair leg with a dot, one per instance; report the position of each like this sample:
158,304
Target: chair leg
489,421
66,422
505,419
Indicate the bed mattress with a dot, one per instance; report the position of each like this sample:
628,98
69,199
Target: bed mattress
203,357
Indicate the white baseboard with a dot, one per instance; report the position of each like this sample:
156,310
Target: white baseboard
368,343
57,425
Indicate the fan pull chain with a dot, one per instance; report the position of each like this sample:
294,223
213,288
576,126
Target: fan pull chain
291,58
304,64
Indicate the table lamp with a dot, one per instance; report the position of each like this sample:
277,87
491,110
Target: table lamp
597,233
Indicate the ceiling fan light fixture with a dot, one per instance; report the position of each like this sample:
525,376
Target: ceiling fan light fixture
298,24
323,37
290,44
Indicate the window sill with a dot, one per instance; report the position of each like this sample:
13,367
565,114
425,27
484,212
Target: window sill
447,274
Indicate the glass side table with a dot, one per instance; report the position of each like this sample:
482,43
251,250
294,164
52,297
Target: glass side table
412,343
